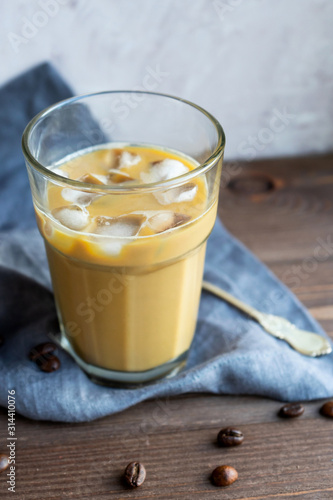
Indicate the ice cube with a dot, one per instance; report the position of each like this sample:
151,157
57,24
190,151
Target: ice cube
60,172
113,247
164,170
111,157
127,159
73,217
119,227
186,192
162,221
116,177
94,179
117,230
77,197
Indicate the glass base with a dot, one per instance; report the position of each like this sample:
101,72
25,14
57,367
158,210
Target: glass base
107,377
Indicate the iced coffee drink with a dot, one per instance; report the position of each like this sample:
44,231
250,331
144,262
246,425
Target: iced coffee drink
125,228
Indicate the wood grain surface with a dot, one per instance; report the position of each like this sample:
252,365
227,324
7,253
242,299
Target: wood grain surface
279,209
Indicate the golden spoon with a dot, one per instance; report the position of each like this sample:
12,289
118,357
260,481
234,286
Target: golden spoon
308,343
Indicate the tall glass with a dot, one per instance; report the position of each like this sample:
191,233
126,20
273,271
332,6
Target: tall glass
126,316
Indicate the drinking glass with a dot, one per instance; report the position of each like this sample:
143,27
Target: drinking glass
128,318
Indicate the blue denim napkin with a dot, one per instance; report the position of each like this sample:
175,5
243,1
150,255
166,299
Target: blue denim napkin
230,354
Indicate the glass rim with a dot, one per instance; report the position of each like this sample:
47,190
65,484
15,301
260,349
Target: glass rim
121,188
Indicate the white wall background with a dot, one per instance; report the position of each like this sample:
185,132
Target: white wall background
248,62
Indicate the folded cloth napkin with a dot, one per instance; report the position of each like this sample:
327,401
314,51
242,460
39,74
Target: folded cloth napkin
230,354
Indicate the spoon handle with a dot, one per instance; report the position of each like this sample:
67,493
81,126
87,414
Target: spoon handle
307,343
222,294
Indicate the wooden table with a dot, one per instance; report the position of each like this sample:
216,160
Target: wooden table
278,208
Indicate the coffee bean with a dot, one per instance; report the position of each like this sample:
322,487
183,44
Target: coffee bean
291,410
135,474
4,462
41,350
327,409
48,363
224,475
230,437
